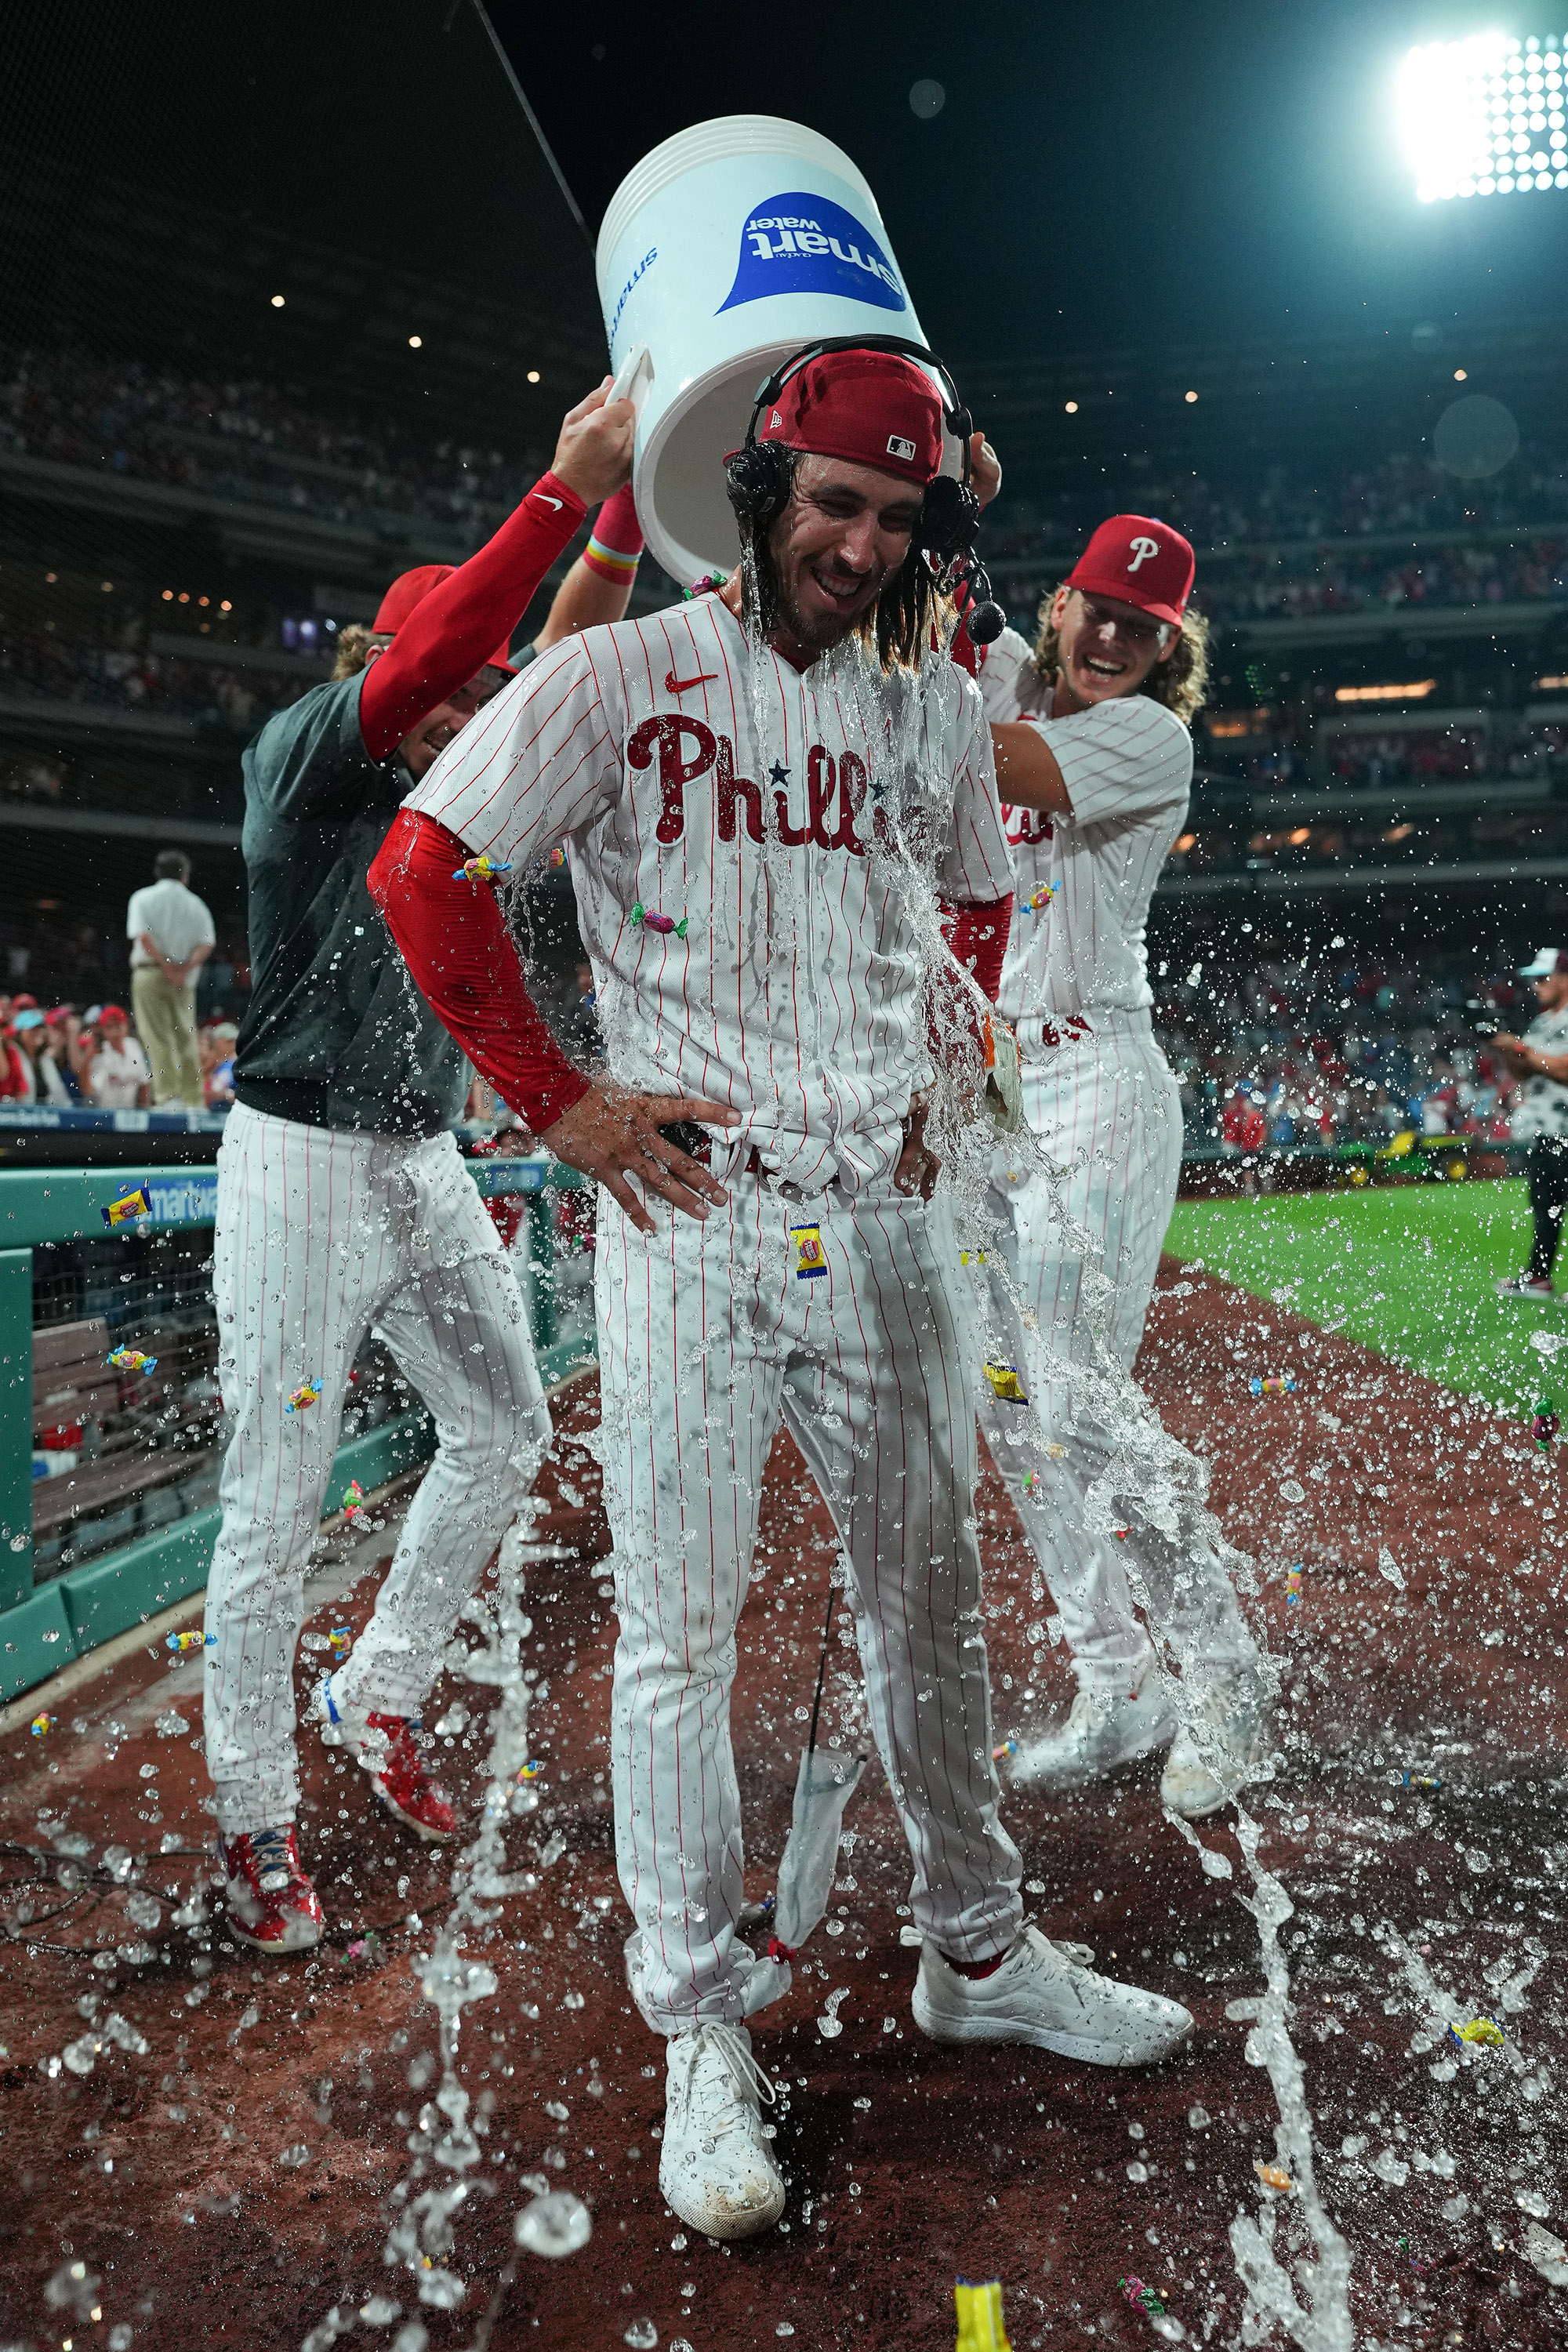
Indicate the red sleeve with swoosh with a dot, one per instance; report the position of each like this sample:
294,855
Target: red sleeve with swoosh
466,965
456,629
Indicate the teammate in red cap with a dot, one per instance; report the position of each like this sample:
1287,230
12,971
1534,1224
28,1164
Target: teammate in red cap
1094,764
756,805
343,1204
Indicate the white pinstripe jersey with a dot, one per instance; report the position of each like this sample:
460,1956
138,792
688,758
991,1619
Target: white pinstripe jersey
1128,767
796,990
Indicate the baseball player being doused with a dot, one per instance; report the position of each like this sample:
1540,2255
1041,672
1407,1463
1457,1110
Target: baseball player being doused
1094,764
760,793
342,1206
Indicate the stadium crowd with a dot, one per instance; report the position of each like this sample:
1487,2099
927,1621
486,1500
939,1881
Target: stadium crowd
1338,1053
67,1059
254,440
1283,505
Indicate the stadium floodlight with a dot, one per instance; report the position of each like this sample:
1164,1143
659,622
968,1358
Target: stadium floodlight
1485,116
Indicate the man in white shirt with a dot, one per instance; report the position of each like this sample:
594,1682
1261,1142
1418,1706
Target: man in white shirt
1539,1061
760,808
1094,765
172,935
118,1073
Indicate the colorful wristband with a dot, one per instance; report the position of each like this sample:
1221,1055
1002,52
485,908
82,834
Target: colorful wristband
617,541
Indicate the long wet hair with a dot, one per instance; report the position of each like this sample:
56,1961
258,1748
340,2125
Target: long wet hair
897,628
1182,683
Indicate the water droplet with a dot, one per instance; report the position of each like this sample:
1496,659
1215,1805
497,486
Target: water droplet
1137,2172
555,2224
1531,2200
1199,2118
295,2155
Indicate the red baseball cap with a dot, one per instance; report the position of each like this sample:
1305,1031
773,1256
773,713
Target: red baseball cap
870,408
113,1013
1139,562
408,591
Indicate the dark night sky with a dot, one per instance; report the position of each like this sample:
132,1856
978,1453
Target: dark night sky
1108,177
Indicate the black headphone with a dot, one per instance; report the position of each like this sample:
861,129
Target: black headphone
758,477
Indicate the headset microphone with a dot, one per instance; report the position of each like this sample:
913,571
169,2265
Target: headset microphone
759,474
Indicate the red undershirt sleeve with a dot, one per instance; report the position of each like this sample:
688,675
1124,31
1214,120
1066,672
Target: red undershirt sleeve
978,937
462,624
466,965
977,934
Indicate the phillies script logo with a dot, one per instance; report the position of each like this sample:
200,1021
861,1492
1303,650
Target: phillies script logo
808,245
836,790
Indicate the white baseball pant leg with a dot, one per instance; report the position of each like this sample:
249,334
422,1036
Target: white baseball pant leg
708,1340
1107,1108
323,1236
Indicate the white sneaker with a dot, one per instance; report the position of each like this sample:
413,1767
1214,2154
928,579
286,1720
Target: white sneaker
715,2168
1039,1996
1195,1788
1100,1733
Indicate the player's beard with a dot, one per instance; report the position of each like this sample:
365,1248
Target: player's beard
817,631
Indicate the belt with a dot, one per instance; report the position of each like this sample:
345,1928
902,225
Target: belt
697,1142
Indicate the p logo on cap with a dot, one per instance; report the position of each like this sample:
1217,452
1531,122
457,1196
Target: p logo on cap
1139,561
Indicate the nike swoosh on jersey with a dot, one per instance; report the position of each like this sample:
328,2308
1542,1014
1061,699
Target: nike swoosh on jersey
673,685
546,499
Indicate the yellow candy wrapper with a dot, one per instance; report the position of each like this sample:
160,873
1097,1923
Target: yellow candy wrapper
981,2327
809,1262
129,1206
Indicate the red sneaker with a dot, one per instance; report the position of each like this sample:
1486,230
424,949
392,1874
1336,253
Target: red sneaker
271,1903
397,1775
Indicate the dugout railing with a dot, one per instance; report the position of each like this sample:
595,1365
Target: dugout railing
108,1475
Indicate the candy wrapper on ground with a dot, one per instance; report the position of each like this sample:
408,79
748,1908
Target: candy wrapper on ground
1545,1425
1141,2297
1273,1384
131,1359
304,1396
981,2326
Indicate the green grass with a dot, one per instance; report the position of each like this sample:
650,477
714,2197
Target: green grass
1410,1270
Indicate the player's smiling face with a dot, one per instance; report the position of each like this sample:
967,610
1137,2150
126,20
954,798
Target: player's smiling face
423,745
843,534
1104,648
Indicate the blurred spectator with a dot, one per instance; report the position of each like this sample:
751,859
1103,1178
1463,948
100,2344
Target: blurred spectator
214,1048
172,935
64,1032
16,1077
118,1073
34,1038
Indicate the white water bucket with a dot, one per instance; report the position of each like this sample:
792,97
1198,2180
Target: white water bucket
726,249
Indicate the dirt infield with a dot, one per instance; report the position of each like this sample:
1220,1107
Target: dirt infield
231,2184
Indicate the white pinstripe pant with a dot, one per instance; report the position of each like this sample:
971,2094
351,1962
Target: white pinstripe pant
708,1338
1107,1108
322,1235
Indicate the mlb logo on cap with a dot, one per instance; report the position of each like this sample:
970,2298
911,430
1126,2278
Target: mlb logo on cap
899,447
1139,561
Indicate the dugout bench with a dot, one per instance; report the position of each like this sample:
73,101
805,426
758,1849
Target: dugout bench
109,1477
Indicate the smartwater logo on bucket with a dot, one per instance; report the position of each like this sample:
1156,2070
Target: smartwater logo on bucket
801,244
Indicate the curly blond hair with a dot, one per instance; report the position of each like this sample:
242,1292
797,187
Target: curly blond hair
355,643
1181,683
